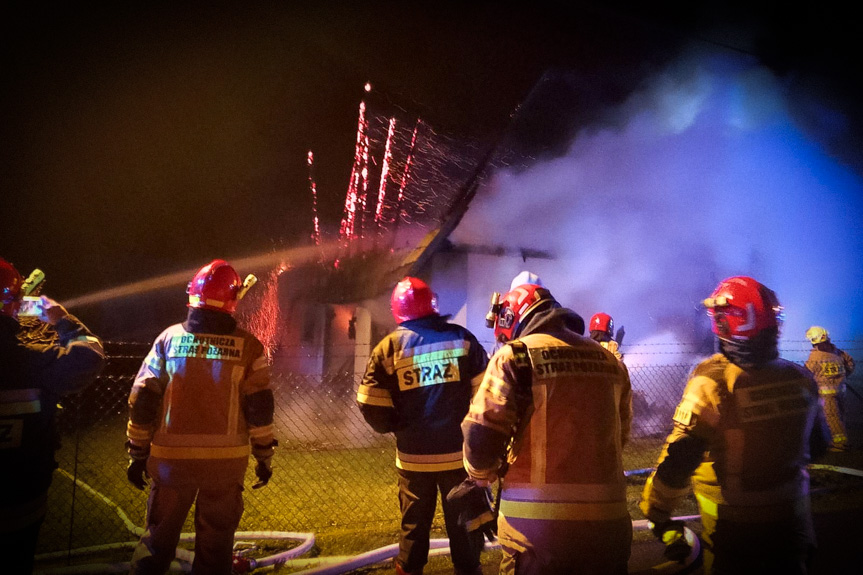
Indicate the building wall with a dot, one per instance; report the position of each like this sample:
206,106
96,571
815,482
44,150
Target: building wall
465,282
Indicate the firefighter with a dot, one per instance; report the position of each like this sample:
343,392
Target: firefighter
748,424
553,413
201,397
35,376
602,330
831,366
418,385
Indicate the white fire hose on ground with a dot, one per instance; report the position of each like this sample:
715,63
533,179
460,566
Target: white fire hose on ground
441,547
307,541
334,565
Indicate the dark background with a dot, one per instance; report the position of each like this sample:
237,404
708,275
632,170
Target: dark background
144,138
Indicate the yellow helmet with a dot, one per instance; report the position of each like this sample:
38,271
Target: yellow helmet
817,334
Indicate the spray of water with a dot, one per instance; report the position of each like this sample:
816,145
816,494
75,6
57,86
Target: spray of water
266,261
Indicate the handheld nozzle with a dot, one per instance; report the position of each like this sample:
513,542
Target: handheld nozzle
247,285
493,311
33,282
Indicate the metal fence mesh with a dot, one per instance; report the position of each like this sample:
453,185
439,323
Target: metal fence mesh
330,471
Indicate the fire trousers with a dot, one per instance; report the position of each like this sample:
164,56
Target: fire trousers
218,510
418,491
564,547
734,544
18,542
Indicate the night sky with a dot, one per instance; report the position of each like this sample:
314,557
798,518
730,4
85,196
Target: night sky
145,138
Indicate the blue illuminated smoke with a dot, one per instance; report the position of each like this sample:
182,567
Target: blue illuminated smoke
703,174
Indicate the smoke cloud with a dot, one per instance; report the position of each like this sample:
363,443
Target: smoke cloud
705,173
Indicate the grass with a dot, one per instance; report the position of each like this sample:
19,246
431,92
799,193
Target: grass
332,477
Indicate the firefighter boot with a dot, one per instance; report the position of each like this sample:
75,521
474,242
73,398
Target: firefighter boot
477,571
401,571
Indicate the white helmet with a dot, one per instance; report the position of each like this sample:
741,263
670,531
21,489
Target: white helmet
525,277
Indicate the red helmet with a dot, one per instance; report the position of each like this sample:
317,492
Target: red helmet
10,288
740,308
515,306
602,322
412,299
216,286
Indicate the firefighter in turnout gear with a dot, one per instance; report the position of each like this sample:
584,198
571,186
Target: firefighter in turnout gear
35,376
602,330
748,424
200,404
831,367
418,385
553,413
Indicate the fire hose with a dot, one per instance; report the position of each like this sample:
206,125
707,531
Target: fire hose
242,564
334,565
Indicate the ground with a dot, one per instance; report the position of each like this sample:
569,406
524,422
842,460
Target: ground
837,507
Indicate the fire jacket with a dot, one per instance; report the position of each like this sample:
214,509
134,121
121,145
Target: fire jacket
569,426
418,384
201,394
34,378
748,436
830,365
613,347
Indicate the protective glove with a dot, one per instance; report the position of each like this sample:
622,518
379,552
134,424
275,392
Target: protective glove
672,535
476,512
263,471
263,455
137,473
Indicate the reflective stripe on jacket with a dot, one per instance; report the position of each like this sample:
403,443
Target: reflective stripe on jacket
568,455
830,368
744,437
418,384
201,380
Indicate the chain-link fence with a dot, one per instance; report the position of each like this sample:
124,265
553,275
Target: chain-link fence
331,470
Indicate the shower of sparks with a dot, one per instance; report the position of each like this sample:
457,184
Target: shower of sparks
405,177
316,233
408,162
430,169
264,321
363,192
347,228
385,170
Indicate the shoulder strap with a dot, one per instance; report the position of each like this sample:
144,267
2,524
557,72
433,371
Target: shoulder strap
524,398
524,369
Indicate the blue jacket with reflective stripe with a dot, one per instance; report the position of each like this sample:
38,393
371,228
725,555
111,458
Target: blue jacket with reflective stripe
418,384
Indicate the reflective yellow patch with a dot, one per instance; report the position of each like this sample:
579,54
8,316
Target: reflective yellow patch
683,416
203,346
771,401
429,369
